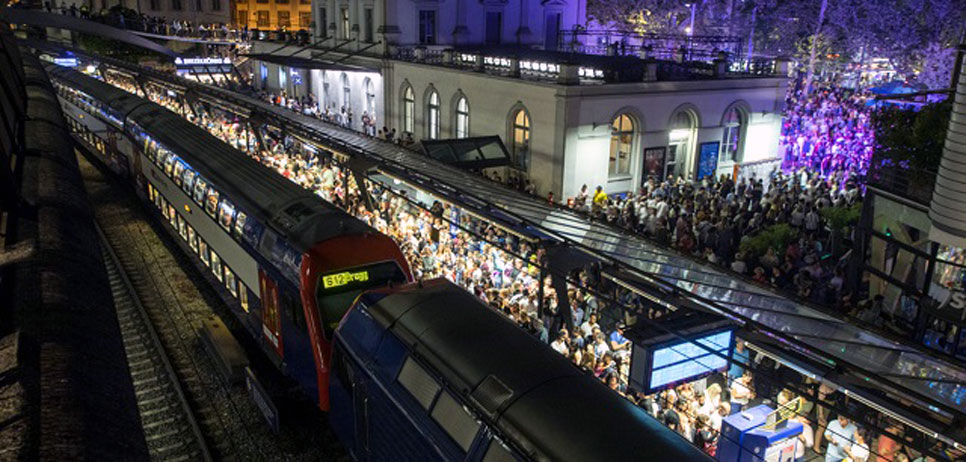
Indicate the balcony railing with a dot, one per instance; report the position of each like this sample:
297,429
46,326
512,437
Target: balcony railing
577,68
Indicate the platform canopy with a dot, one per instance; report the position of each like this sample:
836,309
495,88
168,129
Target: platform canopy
469,153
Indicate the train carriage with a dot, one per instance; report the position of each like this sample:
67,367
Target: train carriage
429,372
288,262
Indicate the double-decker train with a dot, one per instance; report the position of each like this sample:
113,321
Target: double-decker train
288,263
407,371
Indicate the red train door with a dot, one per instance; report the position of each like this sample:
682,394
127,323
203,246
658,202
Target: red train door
271,321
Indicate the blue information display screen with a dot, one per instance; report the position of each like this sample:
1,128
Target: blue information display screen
682,361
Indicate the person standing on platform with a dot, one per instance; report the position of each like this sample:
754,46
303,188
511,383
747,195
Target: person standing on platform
840,434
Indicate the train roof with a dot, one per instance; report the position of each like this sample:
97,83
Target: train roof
530,393
119,100
290,210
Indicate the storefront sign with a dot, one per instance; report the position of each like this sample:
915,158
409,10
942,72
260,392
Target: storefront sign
203,65
201,61
708,159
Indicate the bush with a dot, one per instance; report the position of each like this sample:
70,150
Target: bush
776,236
838,218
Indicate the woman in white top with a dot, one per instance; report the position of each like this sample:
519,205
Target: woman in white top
805,440
859,451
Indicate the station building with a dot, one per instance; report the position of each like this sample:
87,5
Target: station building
913,234
461,69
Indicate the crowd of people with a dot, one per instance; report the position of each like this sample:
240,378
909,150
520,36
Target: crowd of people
309,105
827,131
441,241
713,218
129,19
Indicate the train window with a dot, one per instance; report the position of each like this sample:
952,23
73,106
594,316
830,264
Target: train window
211,202
418,383
172,217
200,187
216,266
188,180
458,423
230,281
497,452
243,295
182,227
151,148
225,213
203,251
178,171
192,239
169,163
240,224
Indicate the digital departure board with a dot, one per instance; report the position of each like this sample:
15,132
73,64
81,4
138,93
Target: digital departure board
682,361
681,347
332,281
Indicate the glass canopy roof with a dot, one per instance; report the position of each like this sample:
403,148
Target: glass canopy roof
902,365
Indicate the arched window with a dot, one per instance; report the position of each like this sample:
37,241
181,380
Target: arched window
621,139
462,117
324,100
731,140
680,142
432,115
521,140
409,110
346,92
370,97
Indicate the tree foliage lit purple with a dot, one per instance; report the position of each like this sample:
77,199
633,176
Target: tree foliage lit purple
913,34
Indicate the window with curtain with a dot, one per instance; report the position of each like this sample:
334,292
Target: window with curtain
409,110
733,124
521,140
432,114
370,97
346,91
621,139
462,117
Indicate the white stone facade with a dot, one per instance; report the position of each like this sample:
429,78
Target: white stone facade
571,132
571,126
454,22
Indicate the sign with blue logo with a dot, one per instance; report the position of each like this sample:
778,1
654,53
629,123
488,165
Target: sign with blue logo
708,159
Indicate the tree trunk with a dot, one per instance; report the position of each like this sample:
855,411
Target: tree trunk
814,48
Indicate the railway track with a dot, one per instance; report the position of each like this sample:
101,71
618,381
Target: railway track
170,429
176,301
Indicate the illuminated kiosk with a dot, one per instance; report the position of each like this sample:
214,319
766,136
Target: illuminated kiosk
662,360
759,434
